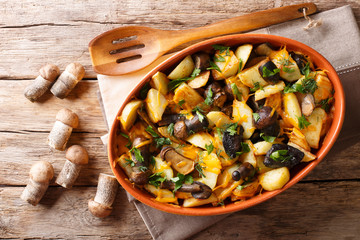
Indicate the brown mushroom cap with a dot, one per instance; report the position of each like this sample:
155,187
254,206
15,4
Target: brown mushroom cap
68,117
99,210
49,72
42,172
77,154
76,69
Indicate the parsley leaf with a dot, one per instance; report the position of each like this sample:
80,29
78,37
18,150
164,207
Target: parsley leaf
129,162
181,102
137,154
269,139
219,58
195,72
200,169
221,48
170,129
232,128
162,141
219,132
240,65
288,70
213,66
152,161
209,95
303,123
305,70
150,130
268,73
201,117
280,156
256,87
173,84
236,91
256,117
244,149
180,179
156,179
325,104
309,85
143,168
144,90
294,88
209,148
128,145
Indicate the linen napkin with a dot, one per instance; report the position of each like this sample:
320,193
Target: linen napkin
337,39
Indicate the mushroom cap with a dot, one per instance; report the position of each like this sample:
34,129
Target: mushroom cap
42,172
77,154
76,69
99,210
68,117
49,72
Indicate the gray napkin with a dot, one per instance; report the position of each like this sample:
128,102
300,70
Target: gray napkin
337,39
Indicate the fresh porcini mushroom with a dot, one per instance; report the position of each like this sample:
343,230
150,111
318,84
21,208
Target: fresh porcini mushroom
228,109
229,92
307,104
76,158
170,118
184,128
266,116
219,96
180,163
59,135
201,60
283,155
141,157
100,206
42,83
255,105
40,175
300,59
73,73
269,71
232,142
197,189
244,171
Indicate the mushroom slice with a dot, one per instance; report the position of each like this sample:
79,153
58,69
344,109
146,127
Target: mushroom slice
204,193
180,163
308,104
198,190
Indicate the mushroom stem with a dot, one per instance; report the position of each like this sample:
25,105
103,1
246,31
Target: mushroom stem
76,157
100,206
40,175
180,163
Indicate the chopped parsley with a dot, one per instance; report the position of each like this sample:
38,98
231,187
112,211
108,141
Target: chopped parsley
170,129
222,49
128,145
219,58
143,168
240,65
195,72
129,162
137,154
201,117
160,141
256,87
153,162
209,95
269,139
325,104
180,179
144,90
303,123
280,156
219,132
181,102
177,82
236,91
150,130
156,179
244,149
209,148
213,66
305,70
308,85
256,117
232,128
268,73
200,169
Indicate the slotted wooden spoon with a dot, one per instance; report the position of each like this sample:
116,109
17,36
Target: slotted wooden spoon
128,49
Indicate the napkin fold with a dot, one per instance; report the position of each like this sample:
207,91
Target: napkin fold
337,39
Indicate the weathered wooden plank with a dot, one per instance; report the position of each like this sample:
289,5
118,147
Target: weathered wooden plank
18,151
19,114
60,33
306,211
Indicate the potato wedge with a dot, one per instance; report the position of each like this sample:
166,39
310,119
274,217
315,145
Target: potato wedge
249,156
325,88
160,82
250,76
192,98
247,190
261,148
155,104
129,113
163,167
184,69
313,131
308,155
288,67
200,139
242,114
228,67
162,195
124,164
200,80
299,139
260,164
193,202
218,119
244,90
274,179
243,53
269,90
291,108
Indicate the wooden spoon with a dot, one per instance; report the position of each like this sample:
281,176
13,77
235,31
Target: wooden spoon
128,49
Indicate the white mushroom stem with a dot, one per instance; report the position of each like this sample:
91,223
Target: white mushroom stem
59,135
307,104
76,157
100,206
73,73
42,83
40,175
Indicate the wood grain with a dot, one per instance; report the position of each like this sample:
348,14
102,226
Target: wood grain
59,31
298,213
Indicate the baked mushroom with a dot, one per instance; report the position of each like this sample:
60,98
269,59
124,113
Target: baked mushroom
197,189
201,60
283,155
244,171
266,116
180,163
141,157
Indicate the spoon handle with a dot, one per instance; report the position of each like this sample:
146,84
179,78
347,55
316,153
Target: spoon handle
239,24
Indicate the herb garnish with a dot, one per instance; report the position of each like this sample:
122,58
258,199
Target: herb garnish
195,72
269,139
137,154
180,179
222,49
150,130
160,141
256,116
256,87
219,58
209,95
209,148
219,132
156,179
240,65
144,90
143,168
128,145
280,156
170,129
303,123
213,66
200,169
236,91
268,73
325,104
232,128
244,149
201,117
177,82
153,162
129,162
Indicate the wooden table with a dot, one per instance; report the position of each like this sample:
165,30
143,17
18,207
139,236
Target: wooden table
325,205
